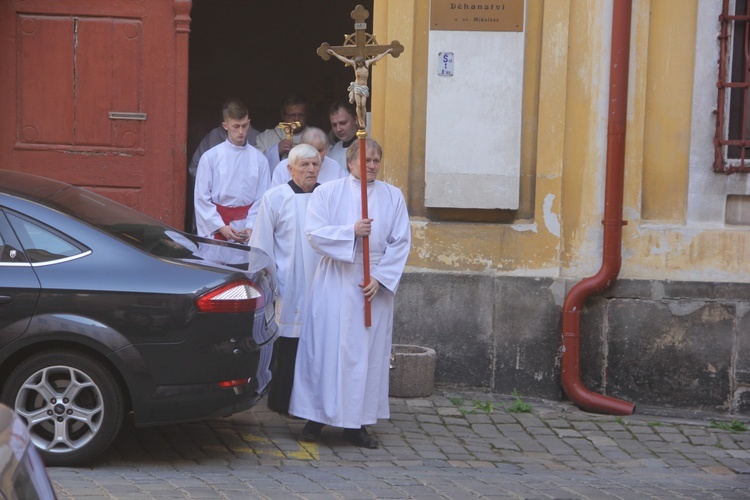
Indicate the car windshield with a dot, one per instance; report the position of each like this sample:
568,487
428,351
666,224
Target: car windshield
142,231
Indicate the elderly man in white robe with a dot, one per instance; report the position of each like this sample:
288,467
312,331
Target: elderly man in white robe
341,378
279,232
330,169
230,181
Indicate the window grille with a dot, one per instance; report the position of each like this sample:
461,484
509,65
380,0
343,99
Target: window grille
732,141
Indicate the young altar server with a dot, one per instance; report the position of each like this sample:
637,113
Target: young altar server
230,180
341,378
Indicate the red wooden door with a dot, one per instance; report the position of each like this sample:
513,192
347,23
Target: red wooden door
94,93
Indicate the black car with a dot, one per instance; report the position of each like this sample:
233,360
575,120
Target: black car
22,473
105,311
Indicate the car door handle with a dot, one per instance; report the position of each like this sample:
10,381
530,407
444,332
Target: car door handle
5,299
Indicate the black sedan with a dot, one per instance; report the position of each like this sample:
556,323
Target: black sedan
22,473
105,312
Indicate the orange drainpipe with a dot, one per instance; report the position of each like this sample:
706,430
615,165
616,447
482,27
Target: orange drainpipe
611,253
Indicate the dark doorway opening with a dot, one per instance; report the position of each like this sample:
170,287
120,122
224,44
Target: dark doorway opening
260,51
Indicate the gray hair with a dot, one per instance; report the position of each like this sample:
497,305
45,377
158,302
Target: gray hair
314,135
302,152
352,154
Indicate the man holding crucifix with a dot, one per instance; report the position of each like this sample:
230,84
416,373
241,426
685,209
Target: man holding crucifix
343,359
342,366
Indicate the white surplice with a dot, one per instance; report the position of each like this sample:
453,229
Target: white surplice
215,137
330,170
338,152
231,176
279,232
343,367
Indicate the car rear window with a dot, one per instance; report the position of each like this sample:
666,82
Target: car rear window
42,244
142,231
126,224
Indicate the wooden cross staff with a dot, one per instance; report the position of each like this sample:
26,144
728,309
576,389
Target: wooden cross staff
360,50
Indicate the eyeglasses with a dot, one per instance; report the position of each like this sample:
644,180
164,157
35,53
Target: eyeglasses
296,116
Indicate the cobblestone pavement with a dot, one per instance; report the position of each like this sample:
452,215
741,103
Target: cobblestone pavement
452,445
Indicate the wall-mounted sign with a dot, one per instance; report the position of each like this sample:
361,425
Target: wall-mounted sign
477,15
445,64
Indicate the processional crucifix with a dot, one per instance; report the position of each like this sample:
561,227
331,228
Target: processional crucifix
360,50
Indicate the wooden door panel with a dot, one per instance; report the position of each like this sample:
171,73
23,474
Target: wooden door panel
127,81
93,82
45,80
67,65
108,79
67,92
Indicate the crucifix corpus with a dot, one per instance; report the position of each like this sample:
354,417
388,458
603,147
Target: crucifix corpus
360,51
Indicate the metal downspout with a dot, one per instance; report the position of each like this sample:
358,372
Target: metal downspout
613,204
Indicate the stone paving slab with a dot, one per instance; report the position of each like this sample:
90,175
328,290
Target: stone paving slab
451,445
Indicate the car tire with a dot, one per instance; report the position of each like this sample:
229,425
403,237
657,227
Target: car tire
71,403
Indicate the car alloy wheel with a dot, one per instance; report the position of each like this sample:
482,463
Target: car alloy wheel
71,403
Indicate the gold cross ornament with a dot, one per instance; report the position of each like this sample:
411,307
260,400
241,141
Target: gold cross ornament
289,128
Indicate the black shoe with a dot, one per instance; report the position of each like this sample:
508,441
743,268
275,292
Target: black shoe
312,431
360,437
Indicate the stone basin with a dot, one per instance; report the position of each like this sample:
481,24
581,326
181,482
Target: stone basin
413,372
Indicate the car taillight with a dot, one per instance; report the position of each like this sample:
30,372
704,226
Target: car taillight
237,296
234,383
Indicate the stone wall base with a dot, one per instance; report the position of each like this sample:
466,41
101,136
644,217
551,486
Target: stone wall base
654,343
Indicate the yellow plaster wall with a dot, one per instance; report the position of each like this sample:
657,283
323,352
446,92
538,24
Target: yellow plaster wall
564,147
669,94
634,137
394,77
680,253
657,242
584,152
527,247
